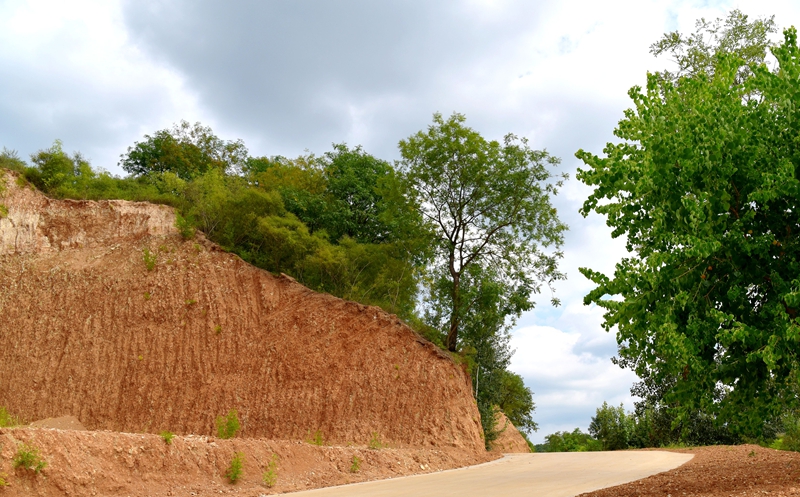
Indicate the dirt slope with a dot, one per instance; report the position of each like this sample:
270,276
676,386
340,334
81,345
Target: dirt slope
87,330
85,463
509,440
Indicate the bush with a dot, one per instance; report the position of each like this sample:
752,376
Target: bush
6,419
270,476
3,482
316,439
612,427
375,442
149,259
27,457
355,465
185,227
228,426
234,471
167,436
575,441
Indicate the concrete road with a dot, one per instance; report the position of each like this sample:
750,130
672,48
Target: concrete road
547,474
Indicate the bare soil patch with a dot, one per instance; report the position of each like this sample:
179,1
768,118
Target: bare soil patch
86,463
746,470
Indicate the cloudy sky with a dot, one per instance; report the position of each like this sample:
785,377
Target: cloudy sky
290,76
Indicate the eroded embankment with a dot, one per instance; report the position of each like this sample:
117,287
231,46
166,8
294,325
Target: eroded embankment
84,463
87,329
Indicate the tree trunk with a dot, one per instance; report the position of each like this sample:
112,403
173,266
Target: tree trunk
452,335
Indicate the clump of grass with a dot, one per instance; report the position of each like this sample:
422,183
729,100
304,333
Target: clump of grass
3,482
355,465
270,476
147,295
184,227
6,419
316,439
191,302
375,442
27,457
149,259
234,471
167,436
217,329
3,211
228,426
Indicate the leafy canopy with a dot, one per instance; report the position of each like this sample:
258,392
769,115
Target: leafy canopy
704,186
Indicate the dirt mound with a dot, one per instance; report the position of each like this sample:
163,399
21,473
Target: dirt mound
509,440
108,315
124,464
717,471
60,423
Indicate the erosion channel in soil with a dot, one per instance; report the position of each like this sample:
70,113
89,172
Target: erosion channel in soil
108,315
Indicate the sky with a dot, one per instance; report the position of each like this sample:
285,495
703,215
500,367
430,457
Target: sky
291,77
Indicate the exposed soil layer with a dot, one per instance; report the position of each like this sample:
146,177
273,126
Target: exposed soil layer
720,470
509,440
108,315
84,463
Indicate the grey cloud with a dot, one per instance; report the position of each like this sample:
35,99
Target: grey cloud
287,74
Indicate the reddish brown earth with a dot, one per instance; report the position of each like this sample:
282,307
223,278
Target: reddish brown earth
509,440
87,330
742,470
85,463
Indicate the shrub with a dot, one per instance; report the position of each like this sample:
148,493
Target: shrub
355,466
375,442
184,226
6,419
167,436
612,426
234,471
791,436
27,457
149,259
3,211
228,426
3,482
147,295
316,439
270,476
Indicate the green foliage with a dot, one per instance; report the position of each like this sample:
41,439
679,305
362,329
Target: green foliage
236,467
186,151
6,419
375,442
612,427
9,159
316,438
3,481
575,441
488,206
228,426
185,227
167,436
27,457
270,476
704,187
149,259
355,464
697,52
3,211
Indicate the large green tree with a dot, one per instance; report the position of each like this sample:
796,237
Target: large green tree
488,205
704,186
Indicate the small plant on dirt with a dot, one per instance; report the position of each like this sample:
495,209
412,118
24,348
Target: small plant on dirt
27,457
217,329
752,454
149,259
355,465
191,302
167,436
6,419
228,426
375,442
147,295
270,476
184,226
3,211
3,481
234,471
316,439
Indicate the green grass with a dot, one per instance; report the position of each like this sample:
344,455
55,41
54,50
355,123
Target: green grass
167,436
7,420
149,259
228,426
234,471
3,481
355,465
316,439
270,476
375,442
27,457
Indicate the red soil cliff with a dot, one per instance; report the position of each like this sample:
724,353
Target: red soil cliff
87,330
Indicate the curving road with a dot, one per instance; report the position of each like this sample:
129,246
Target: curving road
550,474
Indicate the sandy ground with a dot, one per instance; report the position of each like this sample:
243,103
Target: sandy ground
553,475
